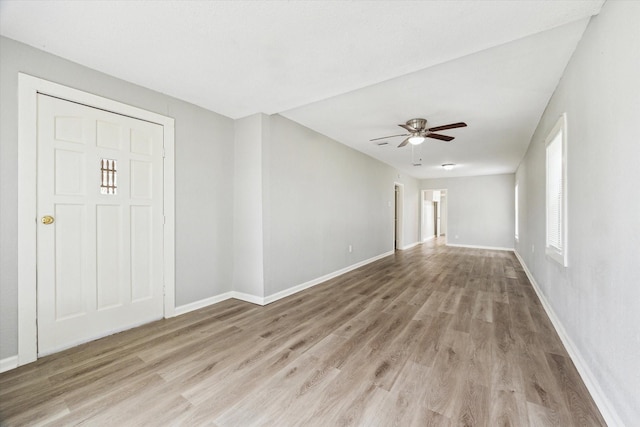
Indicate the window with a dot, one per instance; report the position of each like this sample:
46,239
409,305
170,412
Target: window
556,192
516,209
108,177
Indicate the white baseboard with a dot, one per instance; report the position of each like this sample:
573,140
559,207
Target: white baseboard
202,303
248,298
491,248
8,363
12,361
599,397
254,299
428,238
196,305
409,246
290,291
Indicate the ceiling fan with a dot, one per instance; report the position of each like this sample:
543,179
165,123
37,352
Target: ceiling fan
418,131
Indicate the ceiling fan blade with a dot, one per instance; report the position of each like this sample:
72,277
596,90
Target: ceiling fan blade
409,128
391,136
438,136
403,143
445,127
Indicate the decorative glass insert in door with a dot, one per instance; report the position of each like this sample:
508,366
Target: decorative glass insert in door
108,177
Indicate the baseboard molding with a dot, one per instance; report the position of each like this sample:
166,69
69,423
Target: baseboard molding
8,363
429,238
196,305
295,289
412,245
202,303
248,298
11,362
491,248
599,397
273,297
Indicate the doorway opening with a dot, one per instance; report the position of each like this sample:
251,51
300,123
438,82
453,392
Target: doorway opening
434,206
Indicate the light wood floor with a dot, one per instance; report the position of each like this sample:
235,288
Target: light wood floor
430,336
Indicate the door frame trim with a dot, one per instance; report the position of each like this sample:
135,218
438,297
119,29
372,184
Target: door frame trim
399,227
28,89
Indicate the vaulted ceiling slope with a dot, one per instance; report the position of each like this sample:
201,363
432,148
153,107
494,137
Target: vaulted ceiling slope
352,70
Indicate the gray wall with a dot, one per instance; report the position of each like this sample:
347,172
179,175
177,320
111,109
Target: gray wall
411,209
248,249
320,197
597,297
480,209
204,179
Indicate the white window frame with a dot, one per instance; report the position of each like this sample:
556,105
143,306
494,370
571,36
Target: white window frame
558,254
517,219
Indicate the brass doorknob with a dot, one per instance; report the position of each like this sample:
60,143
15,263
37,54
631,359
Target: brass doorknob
47,219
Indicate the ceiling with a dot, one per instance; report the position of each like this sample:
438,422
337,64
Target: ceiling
351,70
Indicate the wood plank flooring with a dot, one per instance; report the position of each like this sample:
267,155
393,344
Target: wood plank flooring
432,336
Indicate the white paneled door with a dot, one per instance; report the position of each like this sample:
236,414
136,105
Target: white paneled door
100,223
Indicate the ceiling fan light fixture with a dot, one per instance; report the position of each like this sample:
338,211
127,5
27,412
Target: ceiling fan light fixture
416,140
448,166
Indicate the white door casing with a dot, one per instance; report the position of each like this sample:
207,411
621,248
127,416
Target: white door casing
28,218
99,262
399,216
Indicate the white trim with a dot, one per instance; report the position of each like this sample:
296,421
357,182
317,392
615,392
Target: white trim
27,134
169,219
274,297
599,397
186,308
558,255
491,248
398,230
253,299
197,305
8,363
295,289
28,89
517,210
193,306
404,248
277,296
426,239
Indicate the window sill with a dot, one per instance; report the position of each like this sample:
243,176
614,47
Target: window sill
557,256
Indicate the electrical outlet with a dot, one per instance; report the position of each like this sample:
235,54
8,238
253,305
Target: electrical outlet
533,248
350,248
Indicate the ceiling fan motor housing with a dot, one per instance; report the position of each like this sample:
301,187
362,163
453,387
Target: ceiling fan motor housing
417,124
